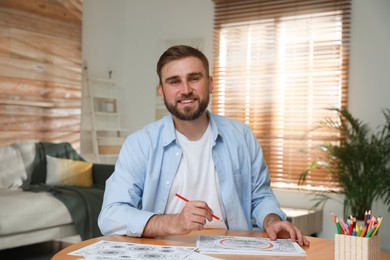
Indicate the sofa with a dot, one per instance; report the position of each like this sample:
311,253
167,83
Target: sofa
47,192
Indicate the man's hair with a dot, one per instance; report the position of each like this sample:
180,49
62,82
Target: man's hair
179,52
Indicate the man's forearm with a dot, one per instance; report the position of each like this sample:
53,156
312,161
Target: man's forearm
162,225
193,216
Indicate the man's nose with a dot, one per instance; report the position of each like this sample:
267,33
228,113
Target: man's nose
186,88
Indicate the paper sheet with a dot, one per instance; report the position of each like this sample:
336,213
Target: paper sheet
110,250
248,246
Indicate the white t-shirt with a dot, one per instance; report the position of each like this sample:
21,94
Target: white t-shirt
196,178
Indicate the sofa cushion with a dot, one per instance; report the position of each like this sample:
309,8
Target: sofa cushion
12,171
23,211
100,174
68,172
27,151
58,150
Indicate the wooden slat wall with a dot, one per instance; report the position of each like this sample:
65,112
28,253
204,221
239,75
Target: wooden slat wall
40,71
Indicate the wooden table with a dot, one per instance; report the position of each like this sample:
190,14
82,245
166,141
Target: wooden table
319,249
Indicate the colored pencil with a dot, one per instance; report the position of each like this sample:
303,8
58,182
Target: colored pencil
186,200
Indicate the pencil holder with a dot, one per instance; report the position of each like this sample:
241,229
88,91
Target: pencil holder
352,247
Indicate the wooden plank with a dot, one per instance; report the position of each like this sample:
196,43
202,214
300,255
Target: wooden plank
37,88
109,149
26,103
40,70
34,23
40,102
37,123
15,110
10,137
44,48
11,67
36,136
117,141
36,46
74,7
5,42
69,11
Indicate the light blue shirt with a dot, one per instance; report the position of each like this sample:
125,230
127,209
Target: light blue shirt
148,162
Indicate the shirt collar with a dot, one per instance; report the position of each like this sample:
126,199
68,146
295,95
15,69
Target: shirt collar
214,126
169,128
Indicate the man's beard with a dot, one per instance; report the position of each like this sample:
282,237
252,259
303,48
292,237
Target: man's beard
188,114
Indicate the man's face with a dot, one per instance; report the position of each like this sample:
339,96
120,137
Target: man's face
185,88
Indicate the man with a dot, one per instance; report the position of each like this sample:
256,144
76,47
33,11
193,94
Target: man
215,162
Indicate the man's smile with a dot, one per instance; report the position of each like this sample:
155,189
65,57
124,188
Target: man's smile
187,100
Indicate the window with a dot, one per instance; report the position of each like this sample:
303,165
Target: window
278,66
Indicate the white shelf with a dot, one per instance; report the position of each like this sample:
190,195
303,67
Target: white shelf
106,114
122,131
110,140
98,79
307,220
110,98
102,134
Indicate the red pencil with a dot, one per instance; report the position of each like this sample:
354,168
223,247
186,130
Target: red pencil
352,226
186,200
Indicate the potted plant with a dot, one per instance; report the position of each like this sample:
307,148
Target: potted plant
359,162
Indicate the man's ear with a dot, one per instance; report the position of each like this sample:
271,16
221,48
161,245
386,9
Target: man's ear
211,85
160,91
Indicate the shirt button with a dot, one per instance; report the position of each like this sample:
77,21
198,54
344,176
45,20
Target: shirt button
167,182
177,153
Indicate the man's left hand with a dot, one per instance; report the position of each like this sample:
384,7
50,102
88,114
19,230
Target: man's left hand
277,228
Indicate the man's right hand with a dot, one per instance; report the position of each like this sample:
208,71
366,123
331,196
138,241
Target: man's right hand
192,217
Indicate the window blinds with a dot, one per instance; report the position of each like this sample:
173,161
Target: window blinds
278,66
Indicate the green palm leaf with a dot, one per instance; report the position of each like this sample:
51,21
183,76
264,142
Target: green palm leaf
359,162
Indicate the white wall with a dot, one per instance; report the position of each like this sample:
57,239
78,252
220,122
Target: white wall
128,36
149,24
103,37
369,90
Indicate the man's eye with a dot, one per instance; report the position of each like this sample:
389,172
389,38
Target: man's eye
194,79
174,82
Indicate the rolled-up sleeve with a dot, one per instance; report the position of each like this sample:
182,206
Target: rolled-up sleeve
122,201
264,201
134,192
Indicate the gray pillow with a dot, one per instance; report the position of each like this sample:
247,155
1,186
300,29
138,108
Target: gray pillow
27,151
12,170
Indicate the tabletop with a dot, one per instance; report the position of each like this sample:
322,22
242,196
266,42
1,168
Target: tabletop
319,249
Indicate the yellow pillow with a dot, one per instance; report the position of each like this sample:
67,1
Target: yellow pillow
68,172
